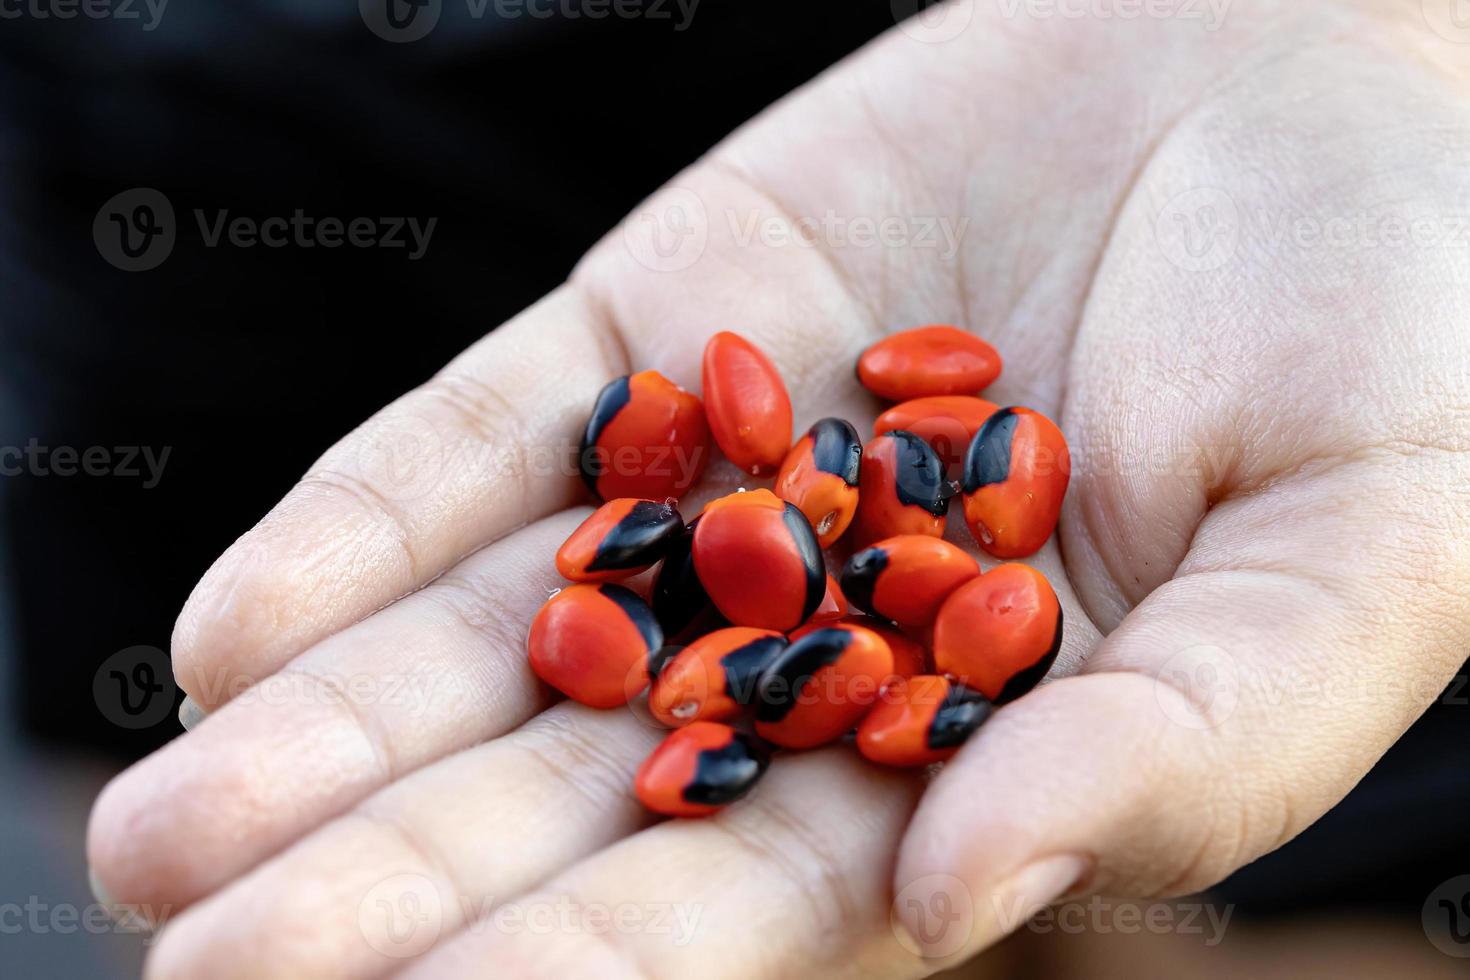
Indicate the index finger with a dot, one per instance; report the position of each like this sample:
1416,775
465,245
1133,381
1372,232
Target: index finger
484,447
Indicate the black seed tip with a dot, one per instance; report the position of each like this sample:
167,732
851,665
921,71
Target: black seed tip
837,449
919,474
988,460
641,538
810,551
638,614
1024,681
962,711
743,666
678,596
610,402
784,677
860,576
726,774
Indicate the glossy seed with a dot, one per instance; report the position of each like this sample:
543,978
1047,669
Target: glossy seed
1015,478
595,644
818,688
699,769
928,361
948,423
758,559
646,438
906,578
1000,633
749,409
622,538
820,476
920,721
713,678
902,489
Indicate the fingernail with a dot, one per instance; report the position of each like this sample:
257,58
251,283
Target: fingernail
940,917
98,891
127,917
190,714
1026,892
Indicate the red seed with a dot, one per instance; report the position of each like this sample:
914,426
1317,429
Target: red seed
902,489
749,409
622,538
907,578
820,476
1000,633
647,438
698,770
758,560
818,688
948,423
1016,475
920,721
713,678
934,360
594,643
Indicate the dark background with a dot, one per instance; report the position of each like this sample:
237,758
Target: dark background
527,138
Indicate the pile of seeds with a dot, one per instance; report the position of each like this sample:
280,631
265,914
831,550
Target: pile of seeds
746,644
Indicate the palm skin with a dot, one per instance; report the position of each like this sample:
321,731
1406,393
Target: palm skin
1262,559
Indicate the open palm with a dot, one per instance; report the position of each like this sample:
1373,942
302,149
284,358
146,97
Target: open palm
1264,558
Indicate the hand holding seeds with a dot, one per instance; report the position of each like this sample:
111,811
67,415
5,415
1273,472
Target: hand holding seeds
759,567
1262,558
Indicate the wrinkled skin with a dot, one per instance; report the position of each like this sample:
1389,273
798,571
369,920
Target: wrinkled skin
1263,558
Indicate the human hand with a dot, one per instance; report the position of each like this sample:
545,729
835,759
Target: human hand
1263,558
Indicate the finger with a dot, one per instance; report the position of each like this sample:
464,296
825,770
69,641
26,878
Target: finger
447,842
486,446
439,671
1231,709
792,880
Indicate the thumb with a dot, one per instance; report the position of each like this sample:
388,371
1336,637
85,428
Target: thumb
1233,707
